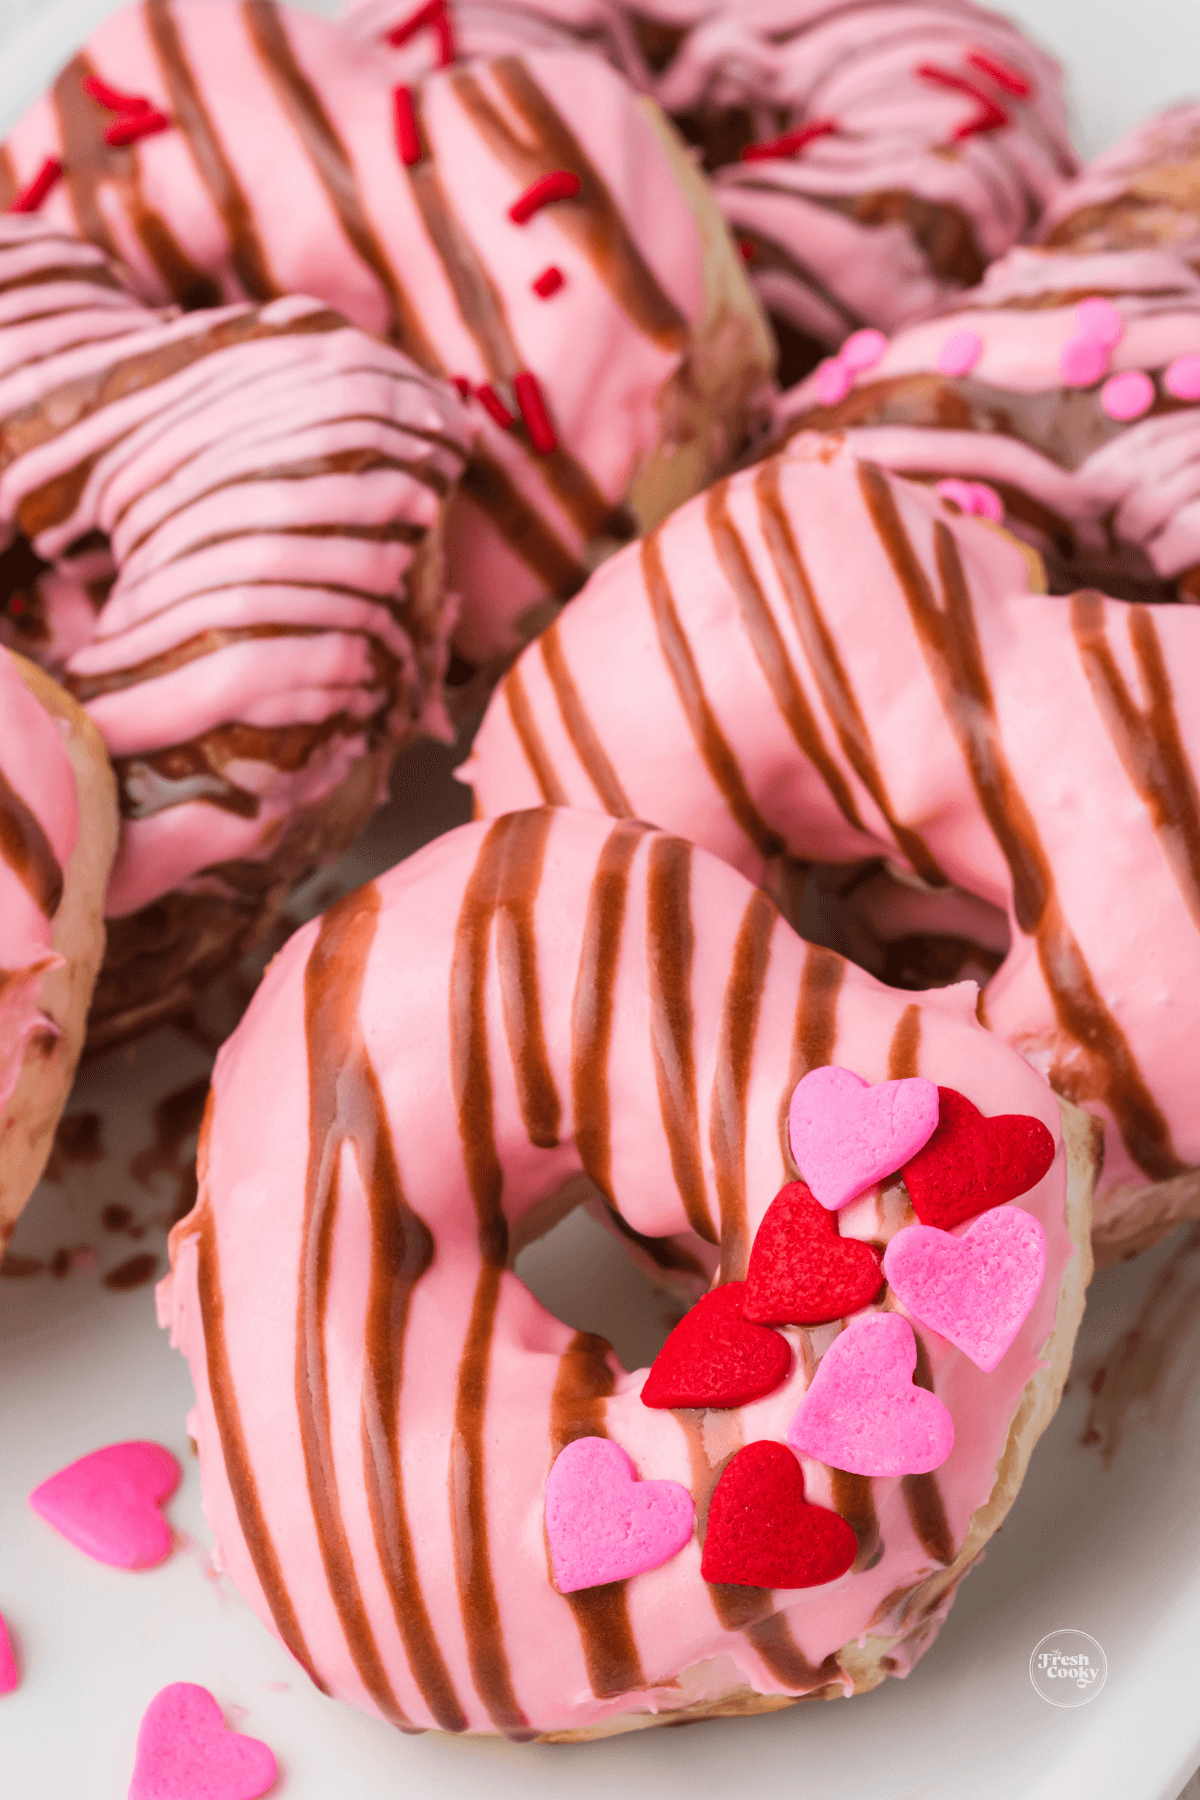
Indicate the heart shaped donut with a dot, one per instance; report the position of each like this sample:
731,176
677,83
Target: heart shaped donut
454,1509
834,665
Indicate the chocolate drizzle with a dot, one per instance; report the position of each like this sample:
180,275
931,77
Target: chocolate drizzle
577,1409
854,1497
579,728
517,961
1147,739
670,948
711,741
922,1495
522,526
530,738
1105,1067
904,1053
731,1080
26,849
814,1031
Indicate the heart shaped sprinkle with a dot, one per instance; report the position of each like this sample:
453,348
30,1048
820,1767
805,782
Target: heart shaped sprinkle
862,1412
762,1532
977,1290
106,1504
9,1677
603,1523
713,1358
185,1752
846,1135
802,1271
972,1163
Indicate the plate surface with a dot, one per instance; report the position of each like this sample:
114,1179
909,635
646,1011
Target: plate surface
1102,1537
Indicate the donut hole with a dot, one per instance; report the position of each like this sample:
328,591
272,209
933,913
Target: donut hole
594,1273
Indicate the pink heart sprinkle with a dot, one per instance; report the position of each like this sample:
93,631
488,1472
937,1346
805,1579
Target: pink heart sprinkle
975,498
833,381
185,1752
862,1412
976,1290
846,1135
862,350
1083,361
1182,378
8,1661
1127,396
106,1504
960,352
1098,322
603,1523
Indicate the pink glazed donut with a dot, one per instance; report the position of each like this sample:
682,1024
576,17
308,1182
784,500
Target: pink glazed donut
1141,194
379,1399
872,158
225,541
818,662
528,228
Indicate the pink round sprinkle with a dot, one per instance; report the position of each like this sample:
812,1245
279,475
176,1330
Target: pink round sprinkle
862,350
1099,322
1182,379
1083,361
973,497
960,352
833,381
1127,396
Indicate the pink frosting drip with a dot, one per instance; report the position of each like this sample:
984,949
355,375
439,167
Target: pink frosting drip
376,1024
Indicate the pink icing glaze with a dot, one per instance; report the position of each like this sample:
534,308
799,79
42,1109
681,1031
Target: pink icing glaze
973,497
860,749
351,1036
862,1412
959,352
1182,378
1127,396
9,1674
832,262
426,254
603,1524
846,1135
260,492
975,1289
37,796
107,1504
185,1751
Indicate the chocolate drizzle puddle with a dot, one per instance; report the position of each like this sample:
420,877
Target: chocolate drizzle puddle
577,1409
731,1079
670,948
333,983
1106,1068
26,849
579,728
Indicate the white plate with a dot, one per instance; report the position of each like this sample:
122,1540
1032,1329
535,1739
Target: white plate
1102,1537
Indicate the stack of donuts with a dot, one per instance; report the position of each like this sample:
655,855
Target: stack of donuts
352,373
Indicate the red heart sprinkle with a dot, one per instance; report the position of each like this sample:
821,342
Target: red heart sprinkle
713,1358
802,1271
972,1163
762,1532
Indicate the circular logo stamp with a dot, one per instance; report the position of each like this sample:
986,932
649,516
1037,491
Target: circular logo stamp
1068,1668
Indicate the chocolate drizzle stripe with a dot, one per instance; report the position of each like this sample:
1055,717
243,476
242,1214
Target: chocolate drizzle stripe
530,738
814,1031
837,691
593,218
670,950
191,116
594,1003
922,1495
769,254
714,747
583,1383
1147,740
334,169
333,982
517,961
731,1078
766,640
27,851
904,1052
772,1638
579,727
522,527
1105,1067
239,1471
853,1497
471,1076
82,153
